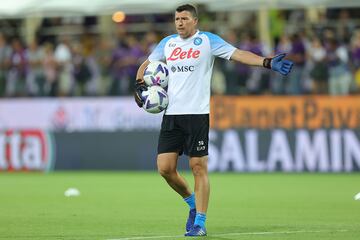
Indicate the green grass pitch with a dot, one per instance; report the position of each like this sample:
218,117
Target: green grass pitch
140,205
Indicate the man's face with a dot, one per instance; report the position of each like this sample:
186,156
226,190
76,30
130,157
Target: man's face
185,24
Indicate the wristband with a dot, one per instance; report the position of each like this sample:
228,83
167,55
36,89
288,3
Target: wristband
267,63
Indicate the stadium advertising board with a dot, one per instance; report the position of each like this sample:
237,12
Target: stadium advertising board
254,134
285,134
25,150
264,112
298,150
76,114
241,150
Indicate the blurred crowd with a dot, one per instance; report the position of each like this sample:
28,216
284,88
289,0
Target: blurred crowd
322,65
83,67
327,61
326,58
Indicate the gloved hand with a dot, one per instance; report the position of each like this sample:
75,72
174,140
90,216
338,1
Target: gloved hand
139,88
277,64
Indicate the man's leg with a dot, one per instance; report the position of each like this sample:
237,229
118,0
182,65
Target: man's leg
198,166
166,163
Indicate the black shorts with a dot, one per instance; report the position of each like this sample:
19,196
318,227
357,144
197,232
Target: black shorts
187,134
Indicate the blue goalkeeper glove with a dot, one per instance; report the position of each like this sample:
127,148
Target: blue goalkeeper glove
278,64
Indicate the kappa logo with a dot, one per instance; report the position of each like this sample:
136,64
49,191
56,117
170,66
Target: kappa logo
197,41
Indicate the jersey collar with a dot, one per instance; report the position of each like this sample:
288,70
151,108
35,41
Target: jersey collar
192,37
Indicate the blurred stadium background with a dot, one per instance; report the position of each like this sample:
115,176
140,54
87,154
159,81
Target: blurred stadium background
67,115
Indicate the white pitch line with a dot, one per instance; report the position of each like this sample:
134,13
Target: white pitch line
232,234
149,237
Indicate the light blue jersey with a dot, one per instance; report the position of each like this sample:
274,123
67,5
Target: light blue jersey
190,63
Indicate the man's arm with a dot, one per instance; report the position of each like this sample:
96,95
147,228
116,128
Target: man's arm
277,63
247,57
140,84
140,72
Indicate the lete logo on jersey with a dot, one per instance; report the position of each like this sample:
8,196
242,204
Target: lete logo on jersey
178,53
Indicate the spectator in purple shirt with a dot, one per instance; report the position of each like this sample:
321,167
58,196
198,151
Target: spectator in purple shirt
119,83
297,55
135,56
339,74
355,50
355,57
277,82
15,82
254,81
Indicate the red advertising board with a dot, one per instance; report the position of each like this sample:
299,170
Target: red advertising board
25,150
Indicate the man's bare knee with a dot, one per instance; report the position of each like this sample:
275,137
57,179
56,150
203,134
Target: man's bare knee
199,169
166,172
199,166
166,165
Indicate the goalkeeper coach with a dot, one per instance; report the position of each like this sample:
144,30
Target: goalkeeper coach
190,56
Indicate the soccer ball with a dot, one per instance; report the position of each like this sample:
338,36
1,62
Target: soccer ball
156,73
155,99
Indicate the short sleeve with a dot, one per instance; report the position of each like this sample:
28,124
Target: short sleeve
219,47
158,54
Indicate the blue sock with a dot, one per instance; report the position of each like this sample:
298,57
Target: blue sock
200,219
190,200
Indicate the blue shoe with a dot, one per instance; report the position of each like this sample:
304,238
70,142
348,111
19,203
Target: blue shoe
196,231
191,219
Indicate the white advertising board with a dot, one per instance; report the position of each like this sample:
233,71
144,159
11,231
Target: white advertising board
76,114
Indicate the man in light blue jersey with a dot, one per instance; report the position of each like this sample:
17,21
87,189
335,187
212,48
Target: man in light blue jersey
190,56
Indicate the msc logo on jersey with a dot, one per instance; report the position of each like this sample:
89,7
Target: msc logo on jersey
197,41
182,68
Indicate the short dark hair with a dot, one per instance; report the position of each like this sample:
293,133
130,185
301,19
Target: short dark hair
188,7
